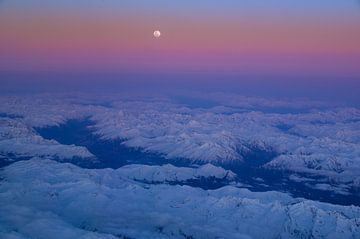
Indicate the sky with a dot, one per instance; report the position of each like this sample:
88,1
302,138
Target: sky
293,47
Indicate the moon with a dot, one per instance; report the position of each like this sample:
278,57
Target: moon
157,34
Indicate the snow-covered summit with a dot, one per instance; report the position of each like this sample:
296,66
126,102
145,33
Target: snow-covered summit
317,142
20,140
170,173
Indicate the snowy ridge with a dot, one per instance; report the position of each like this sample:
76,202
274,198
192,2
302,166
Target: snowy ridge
170,173
321,142
19,140
64,201
199,136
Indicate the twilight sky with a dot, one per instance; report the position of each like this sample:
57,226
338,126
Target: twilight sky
290,42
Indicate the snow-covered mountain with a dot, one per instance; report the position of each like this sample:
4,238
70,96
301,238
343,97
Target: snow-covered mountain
316,145
46,199
314,139
170,173
19,140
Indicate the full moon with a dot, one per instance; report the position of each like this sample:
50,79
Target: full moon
157,34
